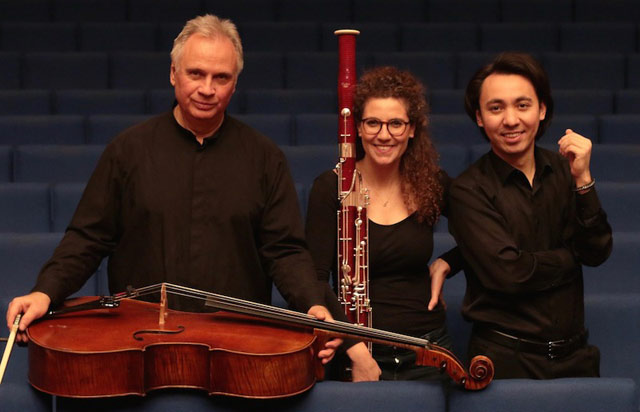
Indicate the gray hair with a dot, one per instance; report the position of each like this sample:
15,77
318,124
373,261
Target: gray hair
209,26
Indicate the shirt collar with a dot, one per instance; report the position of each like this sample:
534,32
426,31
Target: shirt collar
207,140
504,170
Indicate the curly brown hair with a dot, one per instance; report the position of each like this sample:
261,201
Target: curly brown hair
422,190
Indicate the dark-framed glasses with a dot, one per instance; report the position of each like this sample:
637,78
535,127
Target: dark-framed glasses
395,127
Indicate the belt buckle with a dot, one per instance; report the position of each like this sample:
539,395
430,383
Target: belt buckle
553,346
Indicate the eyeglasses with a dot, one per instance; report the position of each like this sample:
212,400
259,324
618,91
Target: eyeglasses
395,127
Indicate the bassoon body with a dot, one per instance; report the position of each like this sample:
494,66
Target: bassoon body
353,242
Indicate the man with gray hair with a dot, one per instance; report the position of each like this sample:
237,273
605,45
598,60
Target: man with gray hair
191,196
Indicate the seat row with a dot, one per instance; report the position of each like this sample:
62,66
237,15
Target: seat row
302,70
319,36
301,129
279,101
323,10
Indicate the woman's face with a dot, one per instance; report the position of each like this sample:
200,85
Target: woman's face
385,130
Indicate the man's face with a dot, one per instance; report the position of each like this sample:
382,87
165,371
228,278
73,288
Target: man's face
510,114
204,80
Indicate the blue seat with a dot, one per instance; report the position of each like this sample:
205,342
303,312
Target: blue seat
10,67
64,201
104,127
577,102
262,71
615,162
313,10
55,163
627,101
163,10
139,70
454,159
633,71
280,36
470,11
307,162
597,70
26,11
65,71
24,207
373,37
582,124
6,172
439,37
467,64
90,10
436,70
277,127
161,100
41,130
455,129
613,10
598,37
290,101
619,128
38,37
29,102
108,37
243,10
613,327
568,395
17,395
88,102
402,11
527,37
530,11
311,70
621,201
316,129
446,101
619,274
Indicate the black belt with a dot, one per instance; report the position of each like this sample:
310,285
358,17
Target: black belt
553,350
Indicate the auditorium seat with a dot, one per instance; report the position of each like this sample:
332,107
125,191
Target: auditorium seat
41,129
567,395
454,129
276,127
312,70
621,201
598,37
610,10
435,70
308,162
55,163
94,102
101,129
316,129
373,37
446,101
6,173
117,36
161,100
582,102
454,159
90,10
526,37
401,11
627,101
541,11
24,207
16,394
585,70
64,201
615,162
166,34
633,71
439,37
582,124
163,10
243,10
263,70
314,10
25,10
280,36
25,102
469,11
38,37
65,71
620,274
289,101
620,128
139,70
10,67
467,63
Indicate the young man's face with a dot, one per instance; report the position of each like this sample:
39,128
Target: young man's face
510,114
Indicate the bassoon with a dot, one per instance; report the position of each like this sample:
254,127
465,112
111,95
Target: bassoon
353,227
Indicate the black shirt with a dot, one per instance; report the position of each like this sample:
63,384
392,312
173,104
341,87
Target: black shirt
399,254
524,246
221,217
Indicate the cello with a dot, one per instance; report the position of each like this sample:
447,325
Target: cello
119,346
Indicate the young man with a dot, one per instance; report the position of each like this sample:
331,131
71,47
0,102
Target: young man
526,219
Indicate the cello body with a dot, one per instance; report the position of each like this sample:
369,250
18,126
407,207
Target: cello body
124,351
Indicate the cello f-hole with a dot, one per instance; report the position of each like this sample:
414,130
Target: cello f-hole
136,334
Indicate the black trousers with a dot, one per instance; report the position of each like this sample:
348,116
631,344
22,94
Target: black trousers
510,363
